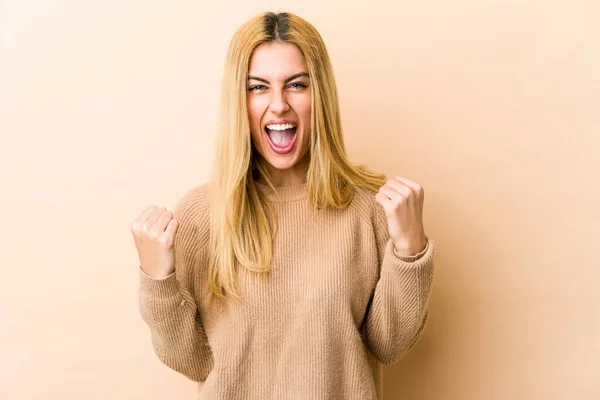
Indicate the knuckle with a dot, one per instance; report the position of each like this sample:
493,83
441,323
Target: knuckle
136,227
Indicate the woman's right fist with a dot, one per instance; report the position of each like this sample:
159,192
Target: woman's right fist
153,233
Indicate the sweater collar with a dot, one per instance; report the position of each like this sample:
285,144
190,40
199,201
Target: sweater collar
283,194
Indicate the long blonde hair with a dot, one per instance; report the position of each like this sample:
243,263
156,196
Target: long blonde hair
239,215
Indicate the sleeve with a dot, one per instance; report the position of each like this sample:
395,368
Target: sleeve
398,310
169,310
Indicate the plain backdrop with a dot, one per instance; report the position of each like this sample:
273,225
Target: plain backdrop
493,106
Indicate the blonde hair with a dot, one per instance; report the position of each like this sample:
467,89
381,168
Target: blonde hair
239,215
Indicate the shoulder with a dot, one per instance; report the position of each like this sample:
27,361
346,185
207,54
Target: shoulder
193,199
192,213
364,203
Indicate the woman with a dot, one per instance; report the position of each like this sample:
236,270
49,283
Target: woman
293,274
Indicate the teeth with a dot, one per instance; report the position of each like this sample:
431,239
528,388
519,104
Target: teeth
280,127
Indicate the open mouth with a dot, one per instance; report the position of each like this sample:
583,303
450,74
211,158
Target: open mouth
282,137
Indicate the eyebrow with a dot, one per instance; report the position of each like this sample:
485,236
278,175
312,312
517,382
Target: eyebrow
291,78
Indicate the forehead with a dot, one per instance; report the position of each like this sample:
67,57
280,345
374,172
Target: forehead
277,61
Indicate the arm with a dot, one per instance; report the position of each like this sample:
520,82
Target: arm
176,331
168,308
399,307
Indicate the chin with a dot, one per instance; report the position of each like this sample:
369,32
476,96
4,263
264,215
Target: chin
282,162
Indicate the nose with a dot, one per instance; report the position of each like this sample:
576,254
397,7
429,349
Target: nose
279,104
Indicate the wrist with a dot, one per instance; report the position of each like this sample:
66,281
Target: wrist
411,249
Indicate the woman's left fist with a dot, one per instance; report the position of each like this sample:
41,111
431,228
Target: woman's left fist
402,200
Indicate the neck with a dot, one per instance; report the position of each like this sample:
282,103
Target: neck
285,177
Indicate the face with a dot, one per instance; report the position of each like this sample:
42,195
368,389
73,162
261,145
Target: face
279,107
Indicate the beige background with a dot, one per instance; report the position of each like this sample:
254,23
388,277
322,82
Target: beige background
493,106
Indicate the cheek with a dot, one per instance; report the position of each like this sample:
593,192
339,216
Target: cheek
255,117
304,114
302,108
255,135
256,111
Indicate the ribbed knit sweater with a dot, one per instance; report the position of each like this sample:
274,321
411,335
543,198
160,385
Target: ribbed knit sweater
339,302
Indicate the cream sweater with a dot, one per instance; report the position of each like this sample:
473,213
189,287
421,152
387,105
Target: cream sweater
339,302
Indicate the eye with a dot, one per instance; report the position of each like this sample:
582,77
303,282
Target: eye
298,85
257,88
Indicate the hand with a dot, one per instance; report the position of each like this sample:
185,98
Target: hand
153,233
402,201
